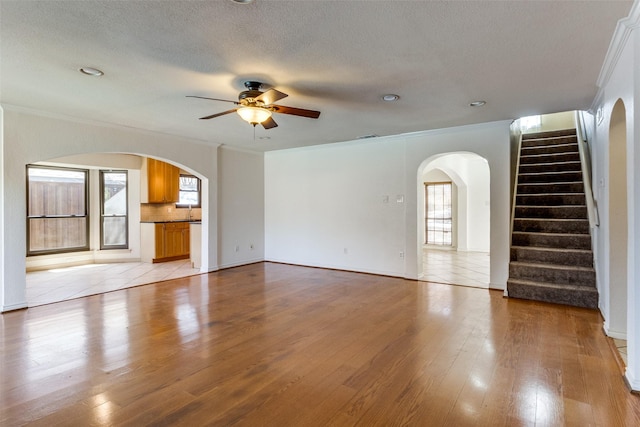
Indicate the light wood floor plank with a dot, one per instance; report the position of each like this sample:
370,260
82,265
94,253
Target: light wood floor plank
279,345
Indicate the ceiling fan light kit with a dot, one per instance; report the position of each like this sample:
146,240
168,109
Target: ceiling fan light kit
257,107
254,115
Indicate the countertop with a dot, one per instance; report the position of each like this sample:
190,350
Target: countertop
192,221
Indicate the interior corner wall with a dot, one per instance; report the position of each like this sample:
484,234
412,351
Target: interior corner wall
2,191
240,207
622,82
29,137
353,205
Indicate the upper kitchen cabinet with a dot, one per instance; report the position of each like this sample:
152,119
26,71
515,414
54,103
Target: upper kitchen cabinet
163,182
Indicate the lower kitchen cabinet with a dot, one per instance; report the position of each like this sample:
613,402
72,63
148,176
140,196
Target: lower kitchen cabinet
166,241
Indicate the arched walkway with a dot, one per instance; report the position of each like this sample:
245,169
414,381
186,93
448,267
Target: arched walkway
465,261
618,223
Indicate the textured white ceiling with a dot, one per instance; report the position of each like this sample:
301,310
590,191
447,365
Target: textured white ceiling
339,57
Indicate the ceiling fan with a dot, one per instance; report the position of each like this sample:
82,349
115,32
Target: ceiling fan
256,107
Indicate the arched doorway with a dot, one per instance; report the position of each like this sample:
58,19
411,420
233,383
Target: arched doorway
618,222
110,182
462,255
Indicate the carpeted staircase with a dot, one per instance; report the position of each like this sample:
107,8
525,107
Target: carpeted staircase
551,257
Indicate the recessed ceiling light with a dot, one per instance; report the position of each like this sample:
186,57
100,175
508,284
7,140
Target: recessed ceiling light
477,103
264,137
373,135
91,71
242,1
390,97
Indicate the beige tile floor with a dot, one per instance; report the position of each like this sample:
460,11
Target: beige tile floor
456,268
621,345
48,286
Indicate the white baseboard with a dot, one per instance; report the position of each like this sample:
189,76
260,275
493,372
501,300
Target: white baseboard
634,383
619,335
17,306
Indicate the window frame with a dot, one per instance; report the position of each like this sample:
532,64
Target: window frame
86,215
199,192
102,215
426,215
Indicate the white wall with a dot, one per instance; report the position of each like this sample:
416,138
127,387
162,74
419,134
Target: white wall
620,79
240,207
29,137
337,206
354,205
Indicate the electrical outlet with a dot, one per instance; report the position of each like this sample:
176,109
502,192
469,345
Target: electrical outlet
237,248
401,254
251,246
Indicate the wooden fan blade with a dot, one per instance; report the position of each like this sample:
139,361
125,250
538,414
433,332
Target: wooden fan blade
269,123
296,111
213,99
219,114
271,96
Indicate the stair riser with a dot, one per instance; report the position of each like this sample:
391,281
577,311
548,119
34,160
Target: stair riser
577,187
549,158
550,167
550,134
549,149
587,298
558,140
550,200
550,177
553,275
551,226
552,212
558,241
569,258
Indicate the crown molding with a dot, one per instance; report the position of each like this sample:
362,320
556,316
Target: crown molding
621,35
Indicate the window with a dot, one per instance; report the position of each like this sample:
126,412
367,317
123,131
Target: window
189,191
438,213
57,211
113,212
530,122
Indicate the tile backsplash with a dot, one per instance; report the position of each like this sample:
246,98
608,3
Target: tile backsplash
156,212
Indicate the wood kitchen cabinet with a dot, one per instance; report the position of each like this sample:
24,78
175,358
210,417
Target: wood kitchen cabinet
171,241
163,181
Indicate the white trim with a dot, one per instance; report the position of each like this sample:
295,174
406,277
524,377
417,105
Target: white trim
16,306
613,334
239,263
618,42
634,383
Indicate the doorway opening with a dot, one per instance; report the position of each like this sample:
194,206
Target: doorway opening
453,219
618,224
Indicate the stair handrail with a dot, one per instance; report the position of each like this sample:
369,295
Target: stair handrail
515,188
585,162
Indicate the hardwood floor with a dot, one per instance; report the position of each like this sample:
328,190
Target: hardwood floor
279,345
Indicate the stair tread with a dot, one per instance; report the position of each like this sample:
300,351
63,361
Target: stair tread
547,173
551,234
548,249
551,206
552,219
551,266
552,183
553,285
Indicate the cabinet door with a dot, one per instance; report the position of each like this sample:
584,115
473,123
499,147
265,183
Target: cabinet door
163,182
173,240
172,183
160,241
155,176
